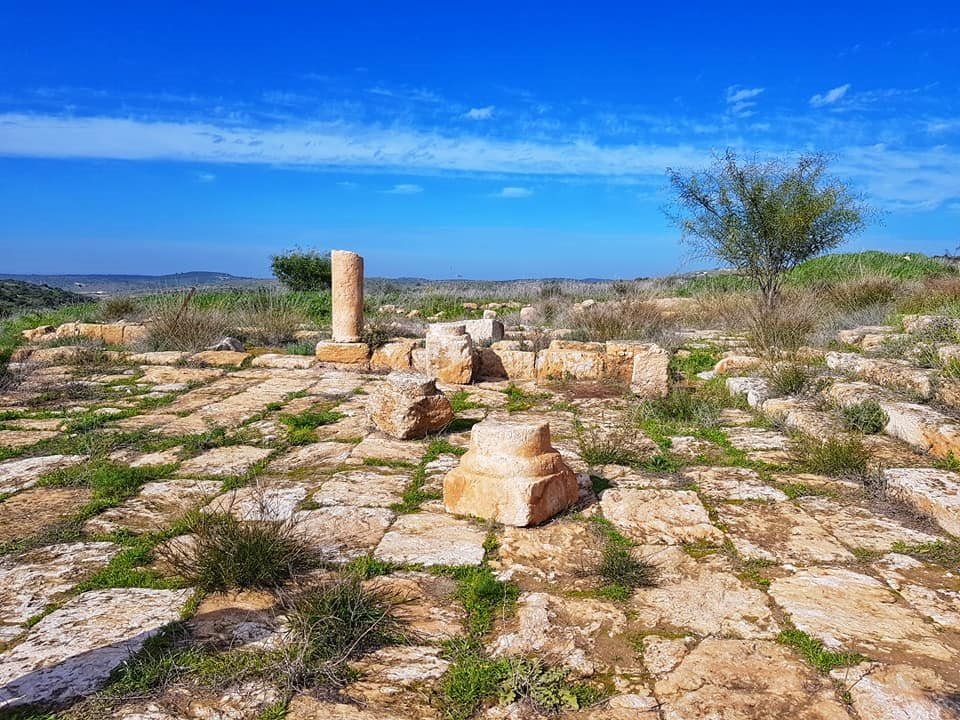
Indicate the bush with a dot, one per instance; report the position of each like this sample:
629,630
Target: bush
785,326
837,456
121,307
866,417
269,317
862,292
788,378
604,445
179,323
631,319
302,269
227,553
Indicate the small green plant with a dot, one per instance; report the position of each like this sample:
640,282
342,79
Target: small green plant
788,378
814,652
301,428
618,567
940,552
691,361
546,689
837,456
460,401
482,595
865,417
227,553
519,399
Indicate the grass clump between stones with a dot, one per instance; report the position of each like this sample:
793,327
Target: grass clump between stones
618,567
788,378
865,417
301,428
843,456
939,552
814,651
519,399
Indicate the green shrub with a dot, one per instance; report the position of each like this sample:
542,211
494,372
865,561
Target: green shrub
227,553
836,456
866,417
302,269
814,652
788,378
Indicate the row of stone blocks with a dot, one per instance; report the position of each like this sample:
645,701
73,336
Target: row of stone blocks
449,354
109,333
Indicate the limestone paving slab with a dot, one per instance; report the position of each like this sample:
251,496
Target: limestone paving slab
21,474
930,590
30,582
659,516
857,527
320,455
898,692
260,502
726,483
343,532
428,538
72,651
362,488
932,491
30,511
229,460
155,507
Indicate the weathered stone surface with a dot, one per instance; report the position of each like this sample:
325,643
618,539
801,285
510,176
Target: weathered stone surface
156,506
804,416
561,631
736,363
756,389
745,680
728,483
306,707
424,603
854,336
228,460
530,315
379,446
31,511
931,491
24,438
260,502
482,332
558,551
661,654
319,455
898,374
247,619
930,591
395,355
189,700
924,323
668,517
343,353
650,376
450,354
846,609
18,475
346,270
31,581
285,362
512,474
898,692
857,527
570,359
71,652
408,405
362,488
220,358
782,532
164,375
510,363
432,539
164,357
343,532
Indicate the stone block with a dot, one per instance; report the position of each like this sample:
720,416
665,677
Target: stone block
347,353
395,355
408,405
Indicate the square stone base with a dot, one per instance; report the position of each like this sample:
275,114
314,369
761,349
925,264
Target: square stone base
343,353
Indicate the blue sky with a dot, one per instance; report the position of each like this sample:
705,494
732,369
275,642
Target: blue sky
498,140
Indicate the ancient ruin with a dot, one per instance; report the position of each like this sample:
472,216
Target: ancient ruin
409,406
510,474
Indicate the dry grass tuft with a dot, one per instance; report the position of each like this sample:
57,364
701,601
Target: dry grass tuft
629,319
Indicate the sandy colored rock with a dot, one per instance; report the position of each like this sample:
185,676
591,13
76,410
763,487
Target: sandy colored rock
395,355
650,376
668,517
567,359
482,332
346,270
24,438
343,353
932,491
755,389
286,362
31,511
857,527
425,603
510,363
661,654
71,652
362,488
745,680
155,507
164,375
736,364
319,455
408,405
731,483
511,474
260,502
232,620
782,532
930,591
450,353
897,692
220,358
162,357
845,609
432,539
898,374
22,474
561,550
343,532
222,461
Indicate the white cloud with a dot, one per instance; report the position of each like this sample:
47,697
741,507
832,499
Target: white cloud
481,113
206,177
404,189
740,101
348,185
514,192
829,97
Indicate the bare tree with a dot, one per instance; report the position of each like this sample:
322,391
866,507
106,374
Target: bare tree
764,218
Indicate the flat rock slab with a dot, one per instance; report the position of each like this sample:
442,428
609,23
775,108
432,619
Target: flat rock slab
306,707
561,631
745,680
30,511
730,483
898,692
247,619
259,502
704,601
933,593
432,539
162,375
671,517
860,528
397,676
18,475
782,532
425,603
24,438
362,488
342,532
846,609
32,581
154,507
380,447
187,700
284,362
562,550
931,491
319,456
229,460
72,651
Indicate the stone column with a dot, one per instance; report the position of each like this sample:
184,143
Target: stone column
347,296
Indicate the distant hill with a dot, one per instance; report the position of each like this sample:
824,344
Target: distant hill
17,296
100,285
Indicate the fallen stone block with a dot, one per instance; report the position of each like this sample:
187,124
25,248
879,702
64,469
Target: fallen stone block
650,375
510,474
449,353
933,492
408,405
888,373
395,355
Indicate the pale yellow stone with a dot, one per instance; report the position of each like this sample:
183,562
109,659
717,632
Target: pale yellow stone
346,296
346,353
408,405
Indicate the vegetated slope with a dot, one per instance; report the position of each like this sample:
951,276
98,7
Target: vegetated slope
17,296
